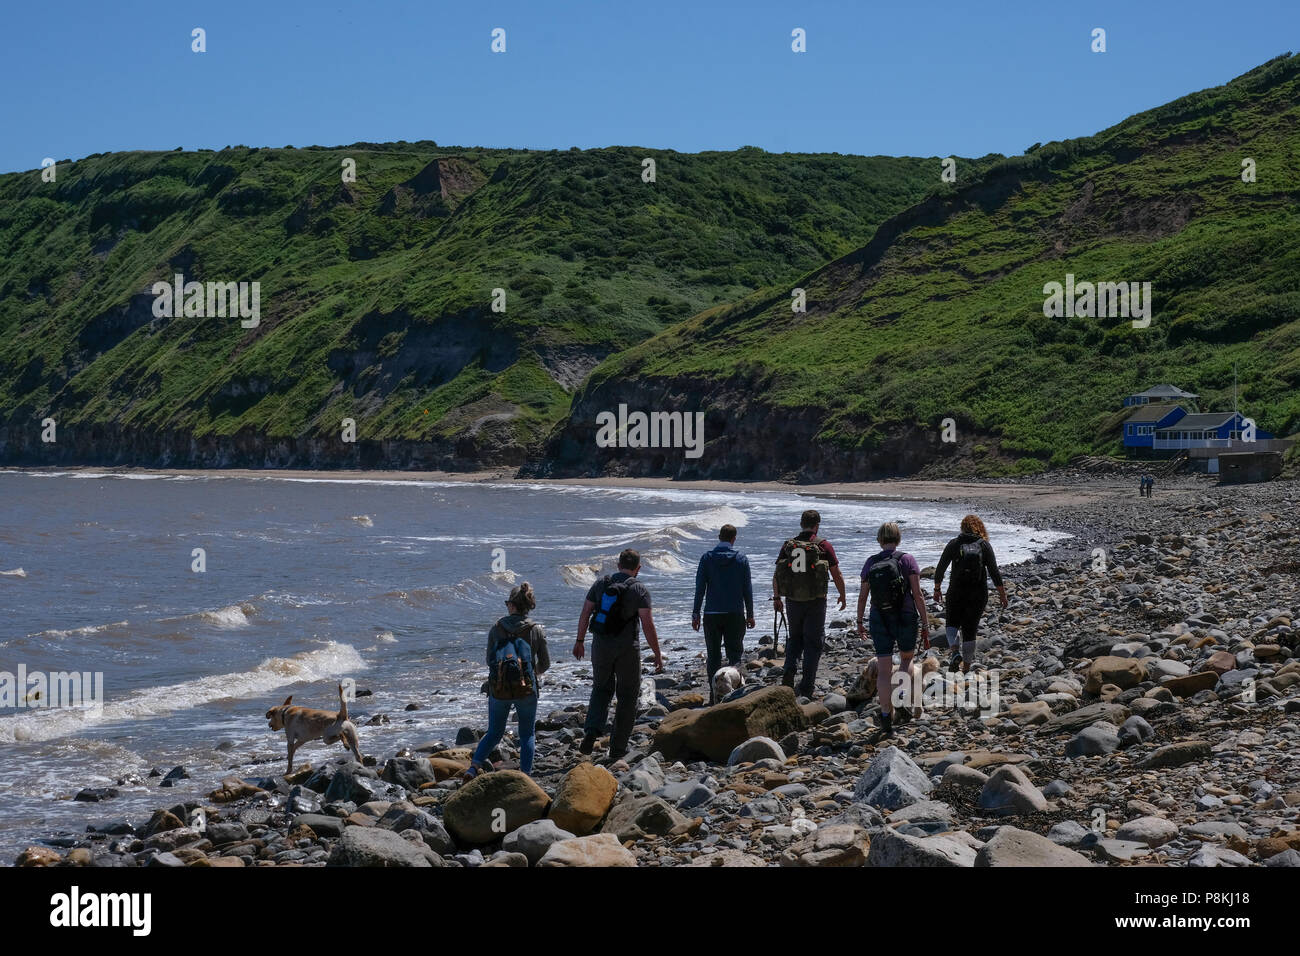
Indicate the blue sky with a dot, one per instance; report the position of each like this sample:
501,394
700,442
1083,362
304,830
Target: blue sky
923,78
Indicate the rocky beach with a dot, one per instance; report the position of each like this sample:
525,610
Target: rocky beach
1147,713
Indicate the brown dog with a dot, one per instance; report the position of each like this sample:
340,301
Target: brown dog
302,724
918,667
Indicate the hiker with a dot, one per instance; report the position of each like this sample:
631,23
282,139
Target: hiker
892,578
803,568
516,658
723,585
614,606
1151,484
973,562
1142,486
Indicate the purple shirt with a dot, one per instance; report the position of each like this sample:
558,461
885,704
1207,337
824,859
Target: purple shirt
909,567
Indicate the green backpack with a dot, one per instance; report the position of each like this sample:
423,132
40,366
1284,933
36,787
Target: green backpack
802,570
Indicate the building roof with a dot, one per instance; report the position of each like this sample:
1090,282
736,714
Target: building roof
1206,420
1164,391
1146,414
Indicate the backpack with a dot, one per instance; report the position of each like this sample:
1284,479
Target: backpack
887,583
612,608
968,569
802,570
511,672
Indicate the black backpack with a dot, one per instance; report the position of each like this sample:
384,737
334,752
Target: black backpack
968,569
887,583
613,608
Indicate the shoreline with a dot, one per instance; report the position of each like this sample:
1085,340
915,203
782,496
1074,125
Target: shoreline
1069,490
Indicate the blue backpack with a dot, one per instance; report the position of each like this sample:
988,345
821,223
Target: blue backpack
512,676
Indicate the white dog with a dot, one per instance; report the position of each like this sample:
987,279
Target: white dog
726,680
646,698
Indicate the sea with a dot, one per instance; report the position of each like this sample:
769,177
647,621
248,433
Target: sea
196,602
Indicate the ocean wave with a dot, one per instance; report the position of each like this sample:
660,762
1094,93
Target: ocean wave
327,663
236,615
584,573
364,520
476,590
80,631
15,573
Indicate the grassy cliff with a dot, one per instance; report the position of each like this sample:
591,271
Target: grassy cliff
941,314
376,294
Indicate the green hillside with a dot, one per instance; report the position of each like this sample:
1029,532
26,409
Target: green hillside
375,294
941,314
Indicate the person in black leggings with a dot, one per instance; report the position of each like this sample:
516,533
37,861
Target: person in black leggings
973,562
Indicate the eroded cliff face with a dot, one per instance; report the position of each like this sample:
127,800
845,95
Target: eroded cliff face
745,438
492,445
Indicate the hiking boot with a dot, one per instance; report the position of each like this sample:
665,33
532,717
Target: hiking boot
954,662
614,757
886,725
902,715
588,744
787,680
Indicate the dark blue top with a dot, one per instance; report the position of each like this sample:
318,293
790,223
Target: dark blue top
723,575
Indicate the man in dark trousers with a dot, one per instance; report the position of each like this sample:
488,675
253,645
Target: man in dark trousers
724,587
614,606
804,567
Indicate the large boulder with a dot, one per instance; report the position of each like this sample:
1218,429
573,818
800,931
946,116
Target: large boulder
1153,831
1009,790
1095,740
601,849
370,846
1076,720
1011,846
891,848
892,781
1191,683
1123,672
714,732
830,846
1176,754
492,805
409,772
638,816
755,749
583,798
534,839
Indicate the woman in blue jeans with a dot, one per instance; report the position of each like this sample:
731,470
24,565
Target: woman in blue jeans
514,625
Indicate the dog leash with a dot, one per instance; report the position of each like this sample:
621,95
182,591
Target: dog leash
778,618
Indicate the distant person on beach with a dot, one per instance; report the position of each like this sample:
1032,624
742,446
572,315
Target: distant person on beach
614,606
724,588
804,568
1142,485
892,579
972,560
1151,484
516,657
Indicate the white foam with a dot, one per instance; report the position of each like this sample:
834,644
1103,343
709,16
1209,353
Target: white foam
385,637
81,631
234,616
15,573
327,663
364,520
